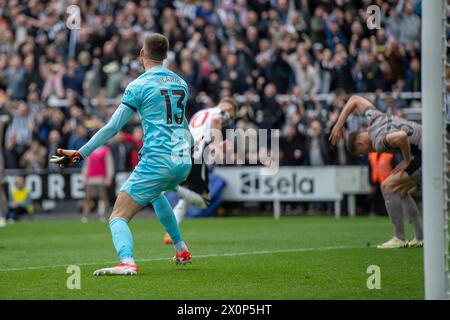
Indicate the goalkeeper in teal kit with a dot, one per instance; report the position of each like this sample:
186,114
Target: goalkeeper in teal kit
159,96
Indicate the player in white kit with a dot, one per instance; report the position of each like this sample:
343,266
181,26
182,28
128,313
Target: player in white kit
195,191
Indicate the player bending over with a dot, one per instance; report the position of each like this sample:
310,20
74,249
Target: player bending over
159,96
196,188
387,133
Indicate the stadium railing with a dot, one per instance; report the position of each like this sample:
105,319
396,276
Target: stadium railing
322,97
243,184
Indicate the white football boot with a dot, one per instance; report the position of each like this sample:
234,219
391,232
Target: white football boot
122,269
414,243
394,243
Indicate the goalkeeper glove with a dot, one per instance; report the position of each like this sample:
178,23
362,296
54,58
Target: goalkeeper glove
67,158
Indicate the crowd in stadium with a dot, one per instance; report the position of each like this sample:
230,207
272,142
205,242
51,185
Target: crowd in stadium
60,83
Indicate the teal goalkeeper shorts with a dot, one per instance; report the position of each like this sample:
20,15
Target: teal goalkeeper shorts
149,179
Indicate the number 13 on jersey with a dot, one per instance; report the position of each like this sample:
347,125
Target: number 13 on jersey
180,94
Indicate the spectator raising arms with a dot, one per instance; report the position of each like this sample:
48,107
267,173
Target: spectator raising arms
60,86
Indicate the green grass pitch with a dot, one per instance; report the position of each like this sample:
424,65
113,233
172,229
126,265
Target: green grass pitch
233,258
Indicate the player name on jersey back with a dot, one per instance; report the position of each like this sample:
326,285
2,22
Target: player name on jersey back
168,79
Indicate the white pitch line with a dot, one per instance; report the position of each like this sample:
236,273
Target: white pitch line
213,255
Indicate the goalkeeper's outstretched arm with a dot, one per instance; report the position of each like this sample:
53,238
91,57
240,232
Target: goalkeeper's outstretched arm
120,117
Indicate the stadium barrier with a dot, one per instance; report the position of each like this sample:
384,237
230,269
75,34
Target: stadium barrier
322,97
296,184
250,183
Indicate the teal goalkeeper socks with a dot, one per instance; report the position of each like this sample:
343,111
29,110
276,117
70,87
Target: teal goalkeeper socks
122,238
167,218
180,246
